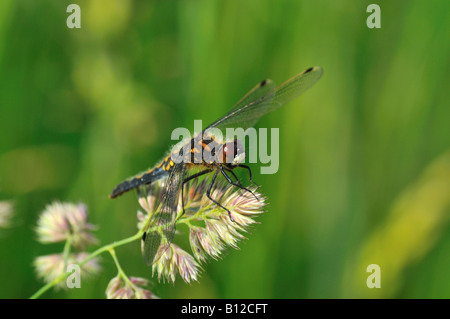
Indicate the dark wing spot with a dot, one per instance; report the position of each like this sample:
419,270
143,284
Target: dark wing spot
309,70
263,82
144,235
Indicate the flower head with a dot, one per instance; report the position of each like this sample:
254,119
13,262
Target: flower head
211,228
120,288
50,267
223,228
59,221
170,259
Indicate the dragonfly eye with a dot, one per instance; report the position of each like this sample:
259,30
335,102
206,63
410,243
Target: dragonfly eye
232,152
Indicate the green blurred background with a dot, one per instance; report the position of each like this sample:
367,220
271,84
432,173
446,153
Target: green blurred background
364,173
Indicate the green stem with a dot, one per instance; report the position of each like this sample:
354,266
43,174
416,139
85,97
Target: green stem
199,215
97,252
121,273
66,250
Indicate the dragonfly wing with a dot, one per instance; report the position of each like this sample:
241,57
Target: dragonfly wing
295,86
246,114
161,229
261,89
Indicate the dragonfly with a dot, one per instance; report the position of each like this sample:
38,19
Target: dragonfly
225,156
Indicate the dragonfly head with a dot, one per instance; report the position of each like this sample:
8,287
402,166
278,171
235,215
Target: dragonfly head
232,153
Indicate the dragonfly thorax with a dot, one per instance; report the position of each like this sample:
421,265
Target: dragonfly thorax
232,153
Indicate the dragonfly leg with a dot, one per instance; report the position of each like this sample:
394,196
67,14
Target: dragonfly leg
249,173
232,173
235,184
189,179
208,194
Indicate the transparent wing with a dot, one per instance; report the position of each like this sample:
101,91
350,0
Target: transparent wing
260,100
255,93
165,216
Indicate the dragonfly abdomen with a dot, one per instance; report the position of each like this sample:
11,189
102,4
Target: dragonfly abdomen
146,178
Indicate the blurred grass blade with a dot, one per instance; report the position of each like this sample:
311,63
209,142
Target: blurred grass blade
412,227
